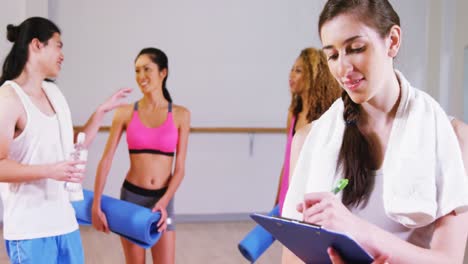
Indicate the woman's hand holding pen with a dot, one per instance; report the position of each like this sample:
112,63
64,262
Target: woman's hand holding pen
326,210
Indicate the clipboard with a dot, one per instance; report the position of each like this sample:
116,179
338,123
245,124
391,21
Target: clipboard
310,242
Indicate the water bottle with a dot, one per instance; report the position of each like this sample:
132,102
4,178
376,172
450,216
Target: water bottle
80,153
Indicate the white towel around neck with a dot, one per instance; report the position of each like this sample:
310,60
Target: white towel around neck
424,176
62,110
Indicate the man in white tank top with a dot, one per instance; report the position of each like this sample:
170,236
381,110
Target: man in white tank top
35,141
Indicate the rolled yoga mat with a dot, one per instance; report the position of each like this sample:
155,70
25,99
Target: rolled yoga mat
136,223
257,241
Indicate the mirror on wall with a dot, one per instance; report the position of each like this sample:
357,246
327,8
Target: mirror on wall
465,86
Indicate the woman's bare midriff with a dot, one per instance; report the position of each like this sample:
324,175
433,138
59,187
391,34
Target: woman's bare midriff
150,171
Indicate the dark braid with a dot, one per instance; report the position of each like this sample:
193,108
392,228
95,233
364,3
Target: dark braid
355,156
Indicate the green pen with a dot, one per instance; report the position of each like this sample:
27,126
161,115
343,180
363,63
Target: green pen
340,186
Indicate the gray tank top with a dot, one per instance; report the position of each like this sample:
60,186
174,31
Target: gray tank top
373,211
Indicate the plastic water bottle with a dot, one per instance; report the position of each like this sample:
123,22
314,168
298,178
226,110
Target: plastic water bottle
80,153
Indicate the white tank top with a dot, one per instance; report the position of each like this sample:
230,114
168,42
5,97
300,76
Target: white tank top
373,211
38,208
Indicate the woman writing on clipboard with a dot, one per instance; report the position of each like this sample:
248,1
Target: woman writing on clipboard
407,199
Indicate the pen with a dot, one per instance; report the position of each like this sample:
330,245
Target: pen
340,186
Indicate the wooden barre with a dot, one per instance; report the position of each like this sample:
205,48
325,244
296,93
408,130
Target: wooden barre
218,130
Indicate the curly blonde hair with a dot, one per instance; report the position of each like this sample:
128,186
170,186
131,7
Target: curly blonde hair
321,87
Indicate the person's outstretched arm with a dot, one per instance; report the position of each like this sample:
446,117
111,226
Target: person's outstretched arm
94,122
183,116
288,127
121,115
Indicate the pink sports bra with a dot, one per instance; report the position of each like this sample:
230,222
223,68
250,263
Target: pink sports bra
158,140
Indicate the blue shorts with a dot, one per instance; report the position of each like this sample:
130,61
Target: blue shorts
63,249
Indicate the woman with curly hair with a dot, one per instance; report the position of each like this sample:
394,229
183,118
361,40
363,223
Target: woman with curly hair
313,90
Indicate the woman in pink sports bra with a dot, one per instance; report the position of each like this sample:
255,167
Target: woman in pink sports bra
157,134
313,90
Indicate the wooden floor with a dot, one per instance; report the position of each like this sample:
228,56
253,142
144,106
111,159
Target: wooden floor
195,243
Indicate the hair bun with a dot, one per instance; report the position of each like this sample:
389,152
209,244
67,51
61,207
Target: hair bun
12,32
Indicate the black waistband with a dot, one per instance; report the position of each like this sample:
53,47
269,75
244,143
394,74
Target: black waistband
142,191
150,151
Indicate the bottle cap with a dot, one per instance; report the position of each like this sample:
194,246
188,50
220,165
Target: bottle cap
81,138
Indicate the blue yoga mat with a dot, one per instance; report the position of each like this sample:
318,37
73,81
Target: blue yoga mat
257,241
136,223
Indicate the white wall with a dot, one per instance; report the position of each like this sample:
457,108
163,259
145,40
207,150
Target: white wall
414,49
447,37
461,43
222,56
465,87
463,35
11,13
